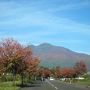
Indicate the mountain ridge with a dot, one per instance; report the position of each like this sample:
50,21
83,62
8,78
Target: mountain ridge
51,55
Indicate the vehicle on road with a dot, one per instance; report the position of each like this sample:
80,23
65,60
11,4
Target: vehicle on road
51,78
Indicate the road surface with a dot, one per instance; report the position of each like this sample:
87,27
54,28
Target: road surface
53,85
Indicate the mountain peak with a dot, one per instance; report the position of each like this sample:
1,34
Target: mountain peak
45,44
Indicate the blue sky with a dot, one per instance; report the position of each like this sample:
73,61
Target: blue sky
59,22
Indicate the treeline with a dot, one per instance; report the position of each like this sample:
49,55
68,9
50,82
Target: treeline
17,59
77,70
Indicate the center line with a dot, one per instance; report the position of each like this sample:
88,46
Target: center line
52,85
56,88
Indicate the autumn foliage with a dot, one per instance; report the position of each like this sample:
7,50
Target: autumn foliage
79,69
16,59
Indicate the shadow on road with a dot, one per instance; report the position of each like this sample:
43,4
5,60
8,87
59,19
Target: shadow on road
35,84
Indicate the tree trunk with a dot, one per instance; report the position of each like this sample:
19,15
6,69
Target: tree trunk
14,79
22,79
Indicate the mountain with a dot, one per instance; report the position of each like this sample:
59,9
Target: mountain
51,55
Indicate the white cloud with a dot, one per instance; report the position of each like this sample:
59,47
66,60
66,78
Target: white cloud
18,16
40,23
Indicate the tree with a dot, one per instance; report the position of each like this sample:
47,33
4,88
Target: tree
47,72
14,58
2,69
32,66
58,72
81,67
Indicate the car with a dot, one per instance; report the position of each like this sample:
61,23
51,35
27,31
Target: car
80,78
51,78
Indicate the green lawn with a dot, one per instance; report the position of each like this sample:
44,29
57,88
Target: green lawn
8,86
84,82
80,82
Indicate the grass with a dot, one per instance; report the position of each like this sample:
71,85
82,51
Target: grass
6,82
8,86
84,82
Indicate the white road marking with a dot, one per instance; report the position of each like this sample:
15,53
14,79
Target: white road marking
56,88
51,84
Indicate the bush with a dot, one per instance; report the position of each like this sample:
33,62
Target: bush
9,77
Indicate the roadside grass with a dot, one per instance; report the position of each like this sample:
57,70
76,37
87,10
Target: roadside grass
84,82
9,86
6,82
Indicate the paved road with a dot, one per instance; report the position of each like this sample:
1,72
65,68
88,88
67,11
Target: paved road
53,85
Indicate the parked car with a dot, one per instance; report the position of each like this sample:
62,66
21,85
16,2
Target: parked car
80,78
51,78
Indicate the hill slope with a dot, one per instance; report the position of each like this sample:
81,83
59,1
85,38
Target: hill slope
51,55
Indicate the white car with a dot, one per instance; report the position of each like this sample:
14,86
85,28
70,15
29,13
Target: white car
51,78
80,78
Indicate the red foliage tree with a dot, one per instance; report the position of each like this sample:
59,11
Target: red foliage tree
81,67
32,66
14,57
47,73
